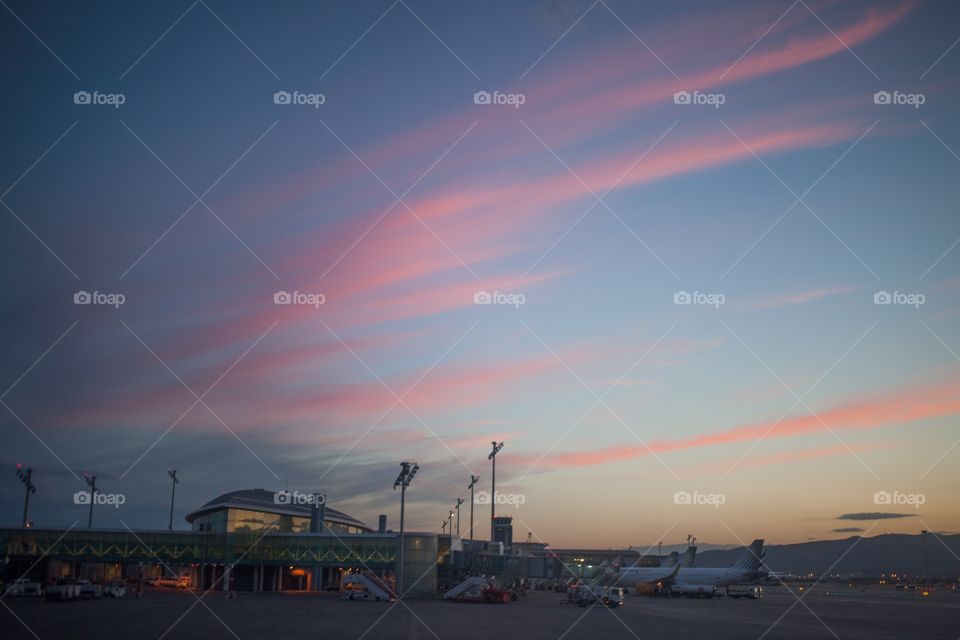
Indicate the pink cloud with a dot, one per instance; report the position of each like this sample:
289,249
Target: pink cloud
589,95
756,461
902,407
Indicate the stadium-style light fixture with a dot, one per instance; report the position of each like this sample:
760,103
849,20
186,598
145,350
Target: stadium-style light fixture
173,492
92,483
493,483
25,477
407,471
473,482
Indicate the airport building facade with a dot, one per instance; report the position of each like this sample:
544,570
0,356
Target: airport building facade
249,540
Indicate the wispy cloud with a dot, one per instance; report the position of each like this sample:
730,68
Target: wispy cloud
916,403
803,297
875,515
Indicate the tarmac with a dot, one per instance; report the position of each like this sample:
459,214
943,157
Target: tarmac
825,612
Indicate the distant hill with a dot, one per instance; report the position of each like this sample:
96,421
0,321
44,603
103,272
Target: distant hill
888,553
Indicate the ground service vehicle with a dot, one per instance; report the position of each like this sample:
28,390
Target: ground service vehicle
693,590
24,587
90,590
65,589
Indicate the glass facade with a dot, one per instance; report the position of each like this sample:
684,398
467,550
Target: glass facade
419,565
232,520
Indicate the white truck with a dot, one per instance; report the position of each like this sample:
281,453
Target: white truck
24,587
584,595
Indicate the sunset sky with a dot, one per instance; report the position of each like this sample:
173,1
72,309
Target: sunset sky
597,201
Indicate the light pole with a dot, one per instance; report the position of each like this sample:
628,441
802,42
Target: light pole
450,520
493,483
473,481
407,471
459,502
25,479
92,483
173,474
926,567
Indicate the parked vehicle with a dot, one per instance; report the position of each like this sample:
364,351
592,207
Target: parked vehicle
477,589
365,587
24,587
752,593
693,590
89,590
65,589
585,595
115,590
173,582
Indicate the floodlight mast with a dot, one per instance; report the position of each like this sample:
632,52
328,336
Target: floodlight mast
473,482
173,492
407,471
493,483
25,477
92,483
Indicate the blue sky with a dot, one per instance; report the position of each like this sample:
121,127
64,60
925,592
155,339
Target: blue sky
590,209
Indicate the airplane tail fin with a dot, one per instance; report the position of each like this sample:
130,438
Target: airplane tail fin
689,556
749,562
670,560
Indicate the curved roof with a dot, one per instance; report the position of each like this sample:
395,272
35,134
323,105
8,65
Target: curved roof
262,500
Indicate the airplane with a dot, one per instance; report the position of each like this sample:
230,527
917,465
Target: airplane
656,578
745,569
648,580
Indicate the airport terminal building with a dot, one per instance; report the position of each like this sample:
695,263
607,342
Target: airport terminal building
256,510
251,540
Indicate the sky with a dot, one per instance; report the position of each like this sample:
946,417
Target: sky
696,266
